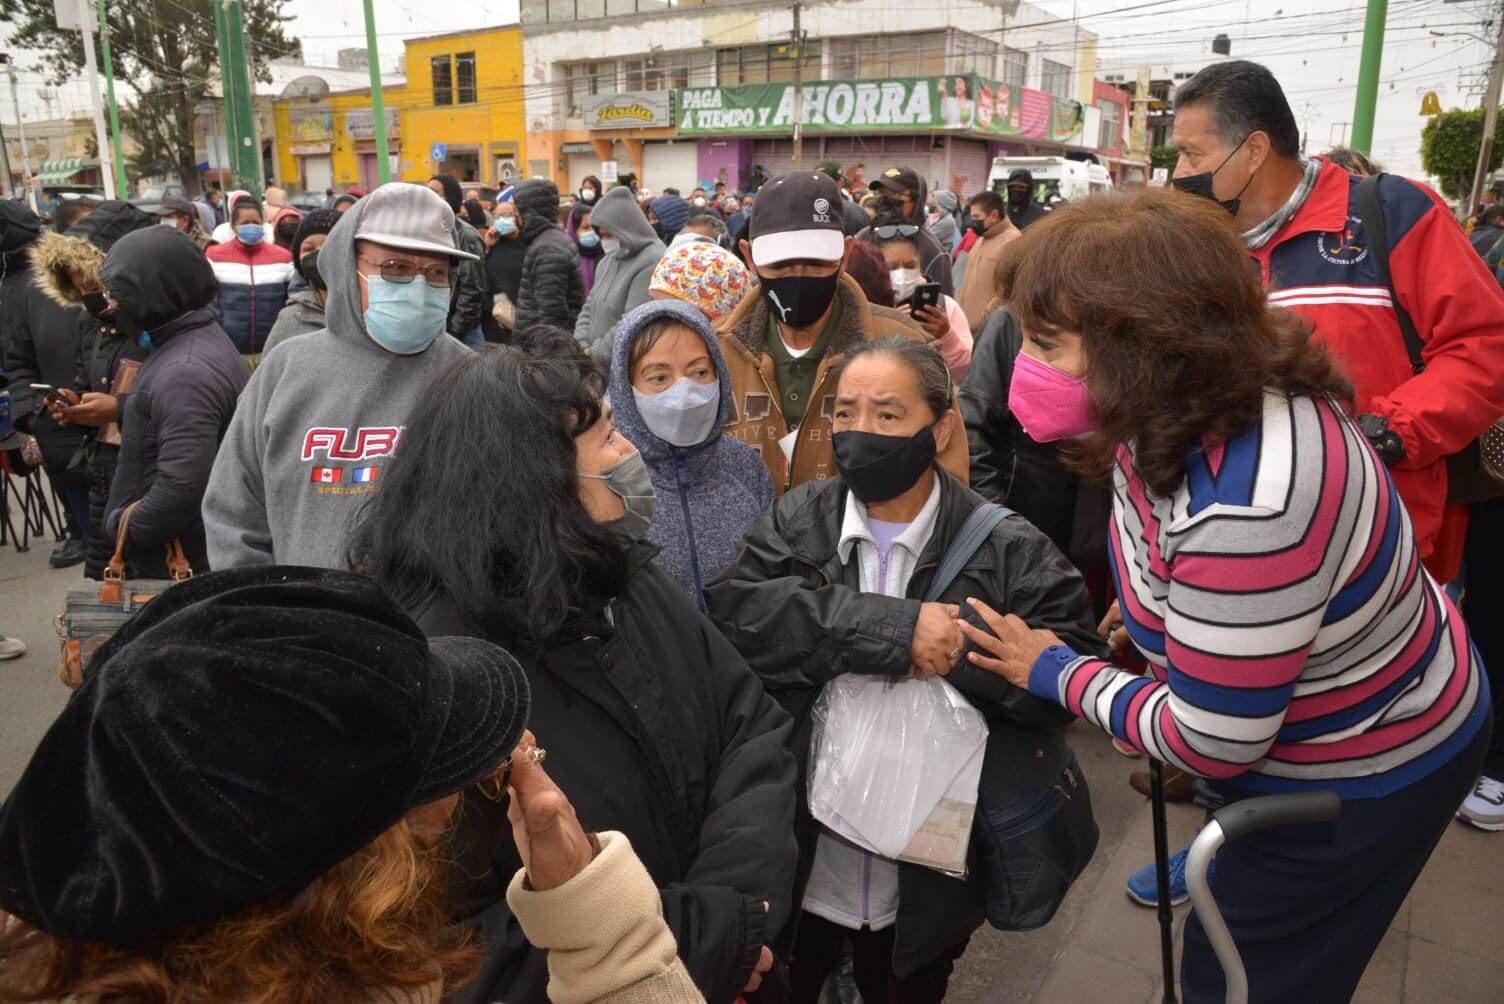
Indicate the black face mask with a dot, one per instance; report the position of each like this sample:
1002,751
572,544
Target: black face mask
286,234
96,303
976,226
1017,198
309,266
801,300
1201,184
878,468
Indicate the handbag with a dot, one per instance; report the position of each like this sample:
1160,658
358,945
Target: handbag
1475,473
1034,832
93,613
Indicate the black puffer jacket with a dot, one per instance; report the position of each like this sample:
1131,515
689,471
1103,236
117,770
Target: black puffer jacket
655,727
182,400
796,614
552,291
1010,468
470,299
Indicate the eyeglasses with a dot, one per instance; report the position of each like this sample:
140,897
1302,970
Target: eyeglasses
494,785
400,270
887,233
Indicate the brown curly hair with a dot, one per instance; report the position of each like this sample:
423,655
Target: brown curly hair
375,922
1179,339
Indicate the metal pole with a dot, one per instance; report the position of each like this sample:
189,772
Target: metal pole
378,104
8,187
1490,121
91,70
246,157
1368,75
224,99
117,148
15,102
798,47
1162,878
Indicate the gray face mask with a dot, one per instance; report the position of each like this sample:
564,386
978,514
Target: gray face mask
629,479
684,414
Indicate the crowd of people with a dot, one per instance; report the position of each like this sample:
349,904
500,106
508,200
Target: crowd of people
673,490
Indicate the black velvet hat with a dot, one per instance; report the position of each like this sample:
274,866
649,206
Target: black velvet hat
246,732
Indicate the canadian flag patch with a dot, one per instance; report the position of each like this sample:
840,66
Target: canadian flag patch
327,475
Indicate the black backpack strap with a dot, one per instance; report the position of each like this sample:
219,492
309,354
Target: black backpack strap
977,528
1371,214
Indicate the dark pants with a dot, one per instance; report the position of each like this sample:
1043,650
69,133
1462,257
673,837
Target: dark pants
1483,608
821,945
73,487
1308,905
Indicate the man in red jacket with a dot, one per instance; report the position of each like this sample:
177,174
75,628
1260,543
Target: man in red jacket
1239,144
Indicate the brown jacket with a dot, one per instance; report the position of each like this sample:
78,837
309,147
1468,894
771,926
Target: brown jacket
757,413
978,296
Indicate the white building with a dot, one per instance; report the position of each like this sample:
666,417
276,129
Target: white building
697,93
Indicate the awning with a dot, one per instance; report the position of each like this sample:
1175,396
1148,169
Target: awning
60,172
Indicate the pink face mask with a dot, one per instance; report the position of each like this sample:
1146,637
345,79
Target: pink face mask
1048,403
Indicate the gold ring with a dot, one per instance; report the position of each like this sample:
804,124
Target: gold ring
956,654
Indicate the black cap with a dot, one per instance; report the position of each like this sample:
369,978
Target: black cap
243,734
1022,175
897,179
798,217
176,204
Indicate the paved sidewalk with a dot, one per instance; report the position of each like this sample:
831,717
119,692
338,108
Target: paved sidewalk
1445,944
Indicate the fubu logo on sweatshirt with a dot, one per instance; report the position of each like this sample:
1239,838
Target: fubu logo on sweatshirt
366,443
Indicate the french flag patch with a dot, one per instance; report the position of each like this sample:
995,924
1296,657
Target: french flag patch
365,474
327,475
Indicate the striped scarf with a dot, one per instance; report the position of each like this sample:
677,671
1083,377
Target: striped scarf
1265,231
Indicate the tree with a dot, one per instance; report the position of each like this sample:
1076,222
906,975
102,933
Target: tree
1164,156
167,52
1449,149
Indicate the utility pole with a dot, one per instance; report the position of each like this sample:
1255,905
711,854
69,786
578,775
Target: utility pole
15,103
116,146
240,116
1368,75
1490,121
378,101
8,189
91,70
797,45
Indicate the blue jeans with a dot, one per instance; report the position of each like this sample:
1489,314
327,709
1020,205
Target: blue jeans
474,338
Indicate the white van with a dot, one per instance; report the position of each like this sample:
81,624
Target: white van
1055,178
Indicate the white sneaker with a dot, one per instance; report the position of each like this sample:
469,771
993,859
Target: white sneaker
1484,808
11,648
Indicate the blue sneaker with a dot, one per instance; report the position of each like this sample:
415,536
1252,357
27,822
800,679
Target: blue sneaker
1143,885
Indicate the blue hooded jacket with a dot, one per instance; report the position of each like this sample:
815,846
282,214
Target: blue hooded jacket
708,496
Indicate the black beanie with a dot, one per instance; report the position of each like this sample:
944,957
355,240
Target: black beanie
453,194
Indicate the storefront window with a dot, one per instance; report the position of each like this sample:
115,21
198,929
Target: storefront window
464,77
972,54
1014,66
874,56
1112,125
443,86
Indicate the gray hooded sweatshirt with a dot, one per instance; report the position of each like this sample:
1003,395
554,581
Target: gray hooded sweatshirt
621,279
319,419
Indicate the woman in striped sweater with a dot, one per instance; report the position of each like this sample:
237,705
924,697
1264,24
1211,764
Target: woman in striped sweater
1267,572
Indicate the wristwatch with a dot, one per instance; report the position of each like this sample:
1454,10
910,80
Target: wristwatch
1385,441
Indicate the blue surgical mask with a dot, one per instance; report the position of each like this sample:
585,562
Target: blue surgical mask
684,415
506,225
404,317
590,239
610,245
250,233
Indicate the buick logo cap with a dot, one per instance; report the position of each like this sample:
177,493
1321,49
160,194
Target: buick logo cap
798,217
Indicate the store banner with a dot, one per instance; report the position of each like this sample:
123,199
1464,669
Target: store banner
361,123
962,102
628,110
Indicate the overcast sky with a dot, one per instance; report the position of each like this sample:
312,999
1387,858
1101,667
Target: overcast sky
1313,46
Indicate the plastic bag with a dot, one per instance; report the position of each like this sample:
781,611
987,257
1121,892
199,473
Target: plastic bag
894,767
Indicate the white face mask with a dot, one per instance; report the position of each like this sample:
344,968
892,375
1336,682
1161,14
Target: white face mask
905,281
682,416
610,245
587,194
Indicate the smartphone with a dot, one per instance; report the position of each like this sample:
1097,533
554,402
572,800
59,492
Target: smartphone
45,388
927,295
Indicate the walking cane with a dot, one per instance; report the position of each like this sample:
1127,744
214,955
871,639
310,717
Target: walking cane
1162,877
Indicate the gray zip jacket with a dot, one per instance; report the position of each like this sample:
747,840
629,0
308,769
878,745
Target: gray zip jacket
315,426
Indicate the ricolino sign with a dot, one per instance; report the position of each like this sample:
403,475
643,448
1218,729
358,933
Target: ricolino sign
628,110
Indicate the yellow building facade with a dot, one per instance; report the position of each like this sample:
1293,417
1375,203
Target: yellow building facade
460,112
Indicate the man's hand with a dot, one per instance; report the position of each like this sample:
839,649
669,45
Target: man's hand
490,236
95,409
764,963
1113,630
552,845
1011,646
57,404
937,641
931,319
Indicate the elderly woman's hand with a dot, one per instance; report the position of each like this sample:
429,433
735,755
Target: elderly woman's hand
553,846
1011,647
